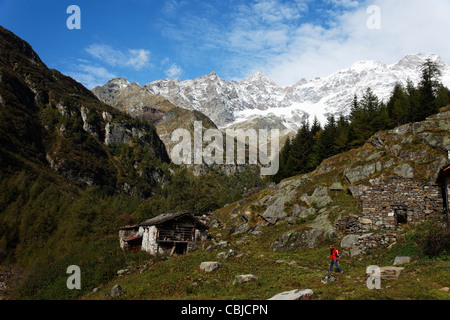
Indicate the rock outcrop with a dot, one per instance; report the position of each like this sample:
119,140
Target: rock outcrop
387,182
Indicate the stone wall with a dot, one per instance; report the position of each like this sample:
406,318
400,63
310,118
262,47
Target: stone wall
125,233
393,201
355,244
348,224
149,239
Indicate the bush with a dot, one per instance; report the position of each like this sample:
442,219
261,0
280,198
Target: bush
431,238
437,241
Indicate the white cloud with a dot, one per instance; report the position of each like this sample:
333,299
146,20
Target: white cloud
137,59
91,75
174,71
308,50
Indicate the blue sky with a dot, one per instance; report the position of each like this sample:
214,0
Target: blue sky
144,40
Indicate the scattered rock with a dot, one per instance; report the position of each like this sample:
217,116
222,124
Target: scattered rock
243,278
226,254
217,245
122,272
209,266
319,198
296,294
116,291
390,273
328,278
401,260
337,186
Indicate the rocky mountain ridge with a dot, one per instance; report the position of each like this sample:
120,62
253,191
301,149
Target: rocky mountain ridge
234,103
142,104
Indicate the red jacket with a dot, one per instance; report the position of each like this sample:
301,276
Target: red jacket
334,254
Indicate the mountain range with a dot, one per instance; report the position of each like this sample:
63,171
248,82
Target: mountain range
259,101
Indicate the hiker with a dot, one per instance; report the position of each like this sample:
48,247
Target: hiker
334,255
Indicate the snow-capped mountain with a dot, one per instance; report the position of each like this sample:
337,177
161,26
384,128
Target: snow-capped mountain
231,103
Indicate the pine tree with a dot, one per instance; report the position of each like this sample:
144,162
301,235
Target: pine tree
342,134
300,150
414,104
284,171
398,106
324,147
443,97
363,114
428,87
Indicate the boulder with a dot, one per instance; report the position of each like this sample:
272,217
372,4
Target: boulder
275,211
390,273
404,171
114,292
401,260
359,173
294,240
337,186
209,266
350,241
226,254
294,295
217,245
122,272
243,278
328,278
319,198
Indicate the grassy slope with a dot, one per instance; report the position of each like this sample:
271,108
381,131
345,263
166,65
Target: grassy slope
179,277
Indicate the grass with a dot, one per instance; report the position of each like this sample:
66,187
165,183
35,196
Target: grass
179,277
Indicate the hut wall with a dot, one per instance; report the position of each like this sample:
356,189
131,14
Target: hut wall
124,234
149,235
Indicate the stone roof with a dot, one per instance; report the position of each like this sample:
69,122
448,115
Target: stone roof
172,216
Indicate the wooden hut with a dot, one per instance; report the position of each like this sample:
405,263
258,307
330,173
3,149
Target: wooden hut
165,234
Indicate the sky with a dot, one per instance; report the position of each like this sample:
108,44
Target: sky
148,40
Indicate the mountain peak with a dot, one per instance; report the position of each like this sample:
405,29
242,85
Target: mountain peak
416,60
258,77
365,65
11,42
120,82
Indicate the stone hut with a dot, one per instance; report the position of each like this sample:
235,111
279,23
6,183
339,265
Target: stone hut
394,201
165,234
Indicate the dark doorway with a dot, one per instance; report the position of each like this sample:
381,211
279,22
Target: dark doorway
401,216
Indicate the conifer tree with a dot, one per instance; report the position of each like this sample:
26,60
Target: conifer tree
301,148
428,87
324,147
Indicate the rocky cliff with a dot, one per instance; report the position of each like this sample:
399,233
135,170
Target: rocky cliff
48,120
140,103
